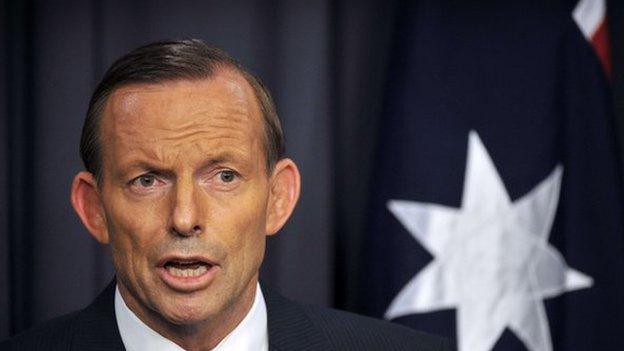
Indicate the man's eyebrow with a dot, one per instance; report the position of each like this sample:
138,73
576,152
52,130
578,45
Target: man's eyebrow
221,157
209,162
146,166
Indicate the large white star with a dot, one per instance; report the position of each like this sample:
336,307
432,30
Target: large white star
492,260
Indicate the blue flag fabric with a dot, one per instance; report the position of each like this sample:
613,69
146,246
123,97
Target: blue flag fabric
496,214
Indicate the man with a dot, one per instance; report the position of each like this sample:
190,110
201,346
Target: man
185,177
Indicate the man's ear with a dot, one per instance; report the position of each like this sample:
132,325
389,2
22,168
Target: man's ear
85,199
285,183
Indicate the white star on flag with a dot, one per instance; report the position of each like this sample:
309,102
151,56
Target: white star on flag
492,259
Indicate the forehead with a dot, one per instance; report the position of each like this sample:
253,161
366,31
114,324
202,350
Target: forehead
168,122
180,101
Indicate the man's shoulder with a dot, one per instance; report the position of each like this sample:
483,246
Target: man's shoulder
347,328
92,328
293,324
55,334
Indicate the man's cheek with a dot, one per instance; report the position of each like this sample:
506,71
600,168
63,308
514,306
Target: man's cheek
244,239
128,246
141,226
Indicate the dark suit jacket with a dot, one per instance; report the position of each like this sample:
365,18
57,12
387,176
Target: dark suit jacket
292,326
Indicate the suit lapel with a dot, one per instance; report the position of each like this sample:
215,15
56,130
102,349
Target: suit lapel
96,326
289,326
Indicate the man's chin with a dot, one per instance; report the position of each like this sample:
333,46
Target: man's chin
197,308
187,315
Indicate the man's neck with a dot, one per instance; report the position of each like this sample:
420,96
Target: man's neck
204,335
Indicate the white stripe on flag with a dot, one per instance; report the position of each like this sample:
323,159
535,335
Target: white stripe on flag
588,15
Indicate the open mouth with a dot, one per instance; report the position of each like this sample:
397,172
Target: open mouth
187,269
183,267
187,273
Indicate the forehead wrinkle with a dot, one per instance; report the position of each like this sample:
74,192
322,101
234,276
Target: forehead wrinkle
134,137
211,128
212,146
198,96
234,120
209,123
179,126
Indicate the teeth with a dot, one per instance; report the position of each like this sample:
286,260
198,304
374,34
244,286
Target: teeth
187,272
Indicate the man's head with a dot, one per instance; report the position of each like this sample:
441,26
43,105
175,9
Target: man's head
185,180
165,61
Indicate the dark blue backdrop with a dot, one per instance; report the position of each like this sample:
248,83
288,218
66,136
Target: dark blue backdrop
344,73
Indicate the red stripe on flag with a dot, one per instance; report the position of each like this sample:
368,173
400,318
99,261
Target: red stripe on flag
600,42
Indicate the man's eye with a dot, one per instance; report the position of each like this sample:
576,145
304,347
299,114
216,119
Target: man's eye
146,180
227,176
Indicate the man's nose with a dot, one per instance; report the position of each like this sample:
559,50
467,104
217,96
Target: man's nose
186,216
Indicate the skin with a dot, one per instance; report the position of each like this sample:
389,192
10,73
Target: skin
184,173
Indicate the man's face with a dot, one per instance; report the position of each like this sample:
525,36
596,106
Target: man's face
185,194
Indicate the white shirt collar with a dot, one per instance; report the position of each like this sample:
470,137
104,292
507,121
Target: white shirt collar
250,334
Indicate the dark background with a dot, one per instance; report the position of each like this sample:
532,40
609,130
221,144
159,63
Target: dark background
324,62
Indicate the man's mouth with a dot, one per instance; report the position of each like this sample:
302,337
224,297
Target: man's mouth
187,269
187,273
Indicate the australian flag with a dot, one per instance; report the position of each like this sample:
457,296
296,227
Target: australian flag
497,215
